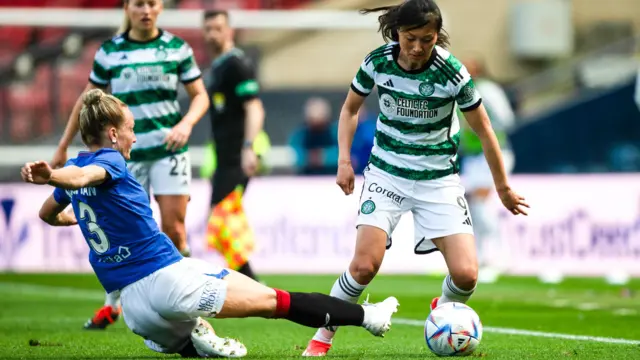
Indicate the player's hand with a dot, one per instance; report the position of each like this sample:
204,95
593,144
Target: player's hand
249,162
70,217
346,178
59,158
512,201
38,172
178,136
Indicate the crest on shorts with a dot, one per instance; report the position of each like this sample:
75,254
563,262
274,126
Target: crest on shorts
426,89
368,207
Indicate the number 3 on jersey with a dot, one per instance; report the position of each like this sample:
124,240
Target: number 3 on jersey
86,214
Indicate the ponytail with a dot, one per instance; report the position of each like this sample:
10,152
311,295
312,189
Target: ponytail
126,23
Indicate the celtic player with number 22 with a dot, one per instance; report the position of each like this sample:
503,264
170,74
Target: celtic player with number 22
143,66
414,165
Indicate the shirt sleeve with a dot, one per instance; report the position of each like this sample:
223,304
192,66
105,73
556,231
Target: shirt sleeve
188,70
245,85
112,162
61,196
363,82
100,74
465,92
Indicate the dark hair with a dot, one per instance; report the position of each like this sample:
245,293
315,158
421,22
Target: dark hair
99,110
410,15
209,14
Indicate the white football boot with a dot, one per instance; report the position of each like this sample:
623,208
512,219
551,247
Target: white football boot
208,344
377,318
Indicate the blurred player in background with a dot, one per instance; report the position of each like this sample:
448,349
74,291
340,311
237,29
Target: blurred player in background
475,170
165,296
237,117
142,66
637,93
413,165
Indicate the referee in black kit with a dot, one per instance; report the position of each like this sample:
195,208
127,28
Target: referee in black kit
237,117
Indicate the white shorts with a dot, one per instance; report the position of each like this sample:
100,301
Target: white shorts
438,206
476,173
166,176
164,307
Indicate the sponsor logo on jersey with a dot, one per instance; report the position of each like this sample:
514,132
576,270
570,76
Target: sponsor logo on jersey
152,73
412,108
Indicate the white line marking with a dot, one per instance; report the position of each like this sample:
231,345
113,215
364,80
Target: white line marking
624,312
73,293
51,291
508,331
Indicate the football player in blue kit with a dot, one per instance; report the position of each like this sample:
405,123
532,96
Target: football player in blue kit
164,295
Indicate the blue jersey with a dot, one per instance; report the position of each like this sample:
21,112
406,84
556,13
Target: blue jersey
117,223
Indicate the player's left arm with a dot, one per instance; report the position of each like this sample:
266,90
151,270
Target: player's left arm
480,123
190,75
199,102
73,177
470,103
52,212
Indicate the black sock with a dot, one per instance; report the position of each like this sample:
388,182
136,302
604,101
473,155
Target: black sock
319,310
247,271
189,351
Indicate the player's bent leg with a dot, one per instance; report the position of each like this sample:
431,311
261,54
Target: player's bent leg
248,298
459,252
173,211
371,244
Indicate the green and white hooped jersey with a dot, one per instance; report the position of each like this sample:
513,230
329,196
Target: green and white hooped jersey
418,132
145,76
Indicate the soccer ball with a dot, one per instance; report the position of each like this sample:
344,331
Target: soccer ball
453,329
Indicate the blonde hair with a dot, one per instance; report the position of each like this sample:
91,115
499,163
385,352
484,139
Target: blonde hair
99,110
126,23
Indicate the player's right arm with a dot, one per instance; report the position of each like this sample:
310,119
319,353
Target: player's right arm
361,87
99,79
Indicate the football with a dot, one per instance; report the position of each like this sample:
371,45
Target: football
453,329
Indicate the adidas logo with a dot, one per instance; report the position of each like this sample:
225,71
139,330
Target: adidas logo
461,341
124,57
467,221
389,83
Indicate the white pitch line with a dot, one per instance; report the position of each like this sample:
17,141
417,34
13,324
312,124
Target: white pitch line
509,331
74,293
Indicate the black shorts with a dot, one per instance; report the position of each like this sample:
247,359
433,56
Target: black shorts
224,181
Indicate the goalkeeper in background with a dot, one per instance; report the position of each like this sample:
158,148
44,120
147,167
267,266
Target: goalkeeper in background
475,171
237,117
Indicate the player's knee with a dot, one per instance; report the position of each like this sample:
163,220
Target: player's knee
465,277
363,270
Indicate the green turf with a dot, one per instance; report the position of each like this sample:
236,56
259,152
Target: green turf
51,309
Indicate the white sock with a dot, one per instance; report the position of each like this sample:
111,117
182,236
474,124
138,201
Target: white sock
345,288
452,293
113,299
